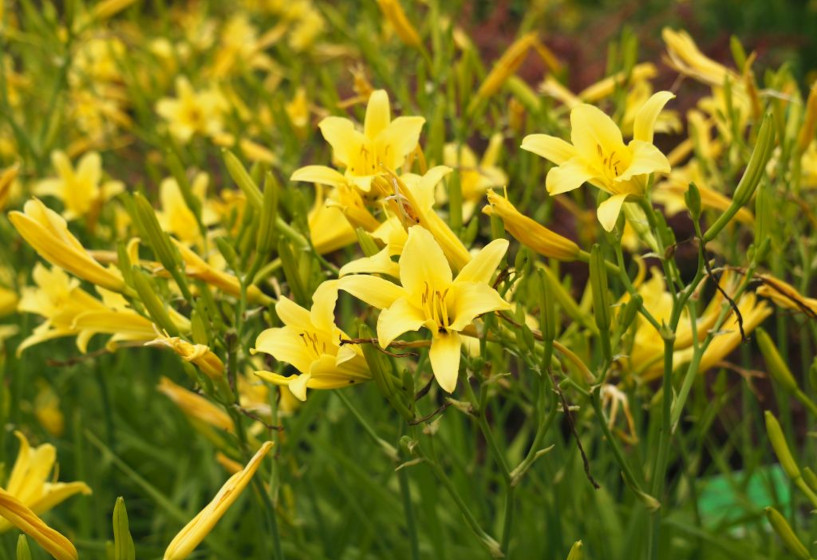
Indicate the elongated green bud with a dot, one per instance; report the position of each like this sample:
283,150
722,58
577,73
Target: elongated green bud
786,534
160,242
23,552
764,212
123,542
601,298
265,238
755,170
366,242
292,273
198,327
243,180
781,448
576,551
154,306
566,301
774,362
228,252
628,314
693,201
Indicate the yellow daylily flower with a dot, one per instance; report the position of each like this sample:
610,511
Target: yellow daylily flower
71,311
599,156
646,355
476,176
47,232
310,341
687,59
382,145
200,526
192,112
28,483
81,190
430,297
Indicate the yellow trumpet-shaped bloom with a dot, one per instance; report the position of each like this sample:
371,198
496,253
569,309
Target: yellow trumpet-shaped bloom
599,156
430,297
176,217
29,493
200,526
47,232
71,311
382,145
82,189
310,341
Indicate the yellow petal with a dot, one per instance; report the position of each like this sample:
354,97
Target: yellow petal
322,314
319,174
27,521
644,125
371,289
568,176
378,114
340,133
646,159
445,359
397,140
423,265
549,147
400,318
285,344
481,268
471,300
200,526
591,128
380,263
609,210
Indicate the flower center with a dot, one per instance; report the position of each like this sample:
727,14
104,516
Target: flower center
313,343
435,308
